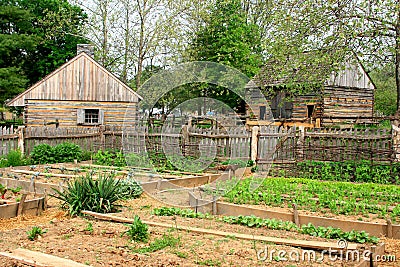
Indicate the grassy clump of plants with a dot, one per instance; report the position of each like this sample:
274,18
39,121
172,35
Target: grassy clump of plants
254,221
98,195
14,158
138,231
159,244
64,152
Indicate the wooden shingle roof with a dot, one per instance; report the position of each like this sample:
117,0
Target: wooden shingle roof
82,78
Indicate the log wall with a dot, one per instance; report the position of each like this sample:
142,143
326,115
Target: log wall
41,112
347,105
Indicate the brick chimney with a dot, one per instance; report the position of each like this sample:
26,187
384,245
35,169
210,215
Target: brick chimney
87,48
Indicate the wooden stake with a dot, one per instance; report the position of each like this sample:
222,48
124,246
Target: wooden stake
296,215
21,205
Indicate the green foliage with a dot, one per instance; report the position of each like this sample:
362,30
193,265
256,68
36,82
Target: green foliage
14,158
130,188
254,221
138,231
336,233
187,213
229,38
159,244
110,158
87,193
64,152
239,162
350,171
386,92
67,152
35,232
335,197
35,38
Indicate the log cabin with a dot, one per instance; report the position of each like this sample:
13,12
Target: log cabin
340,97
79,93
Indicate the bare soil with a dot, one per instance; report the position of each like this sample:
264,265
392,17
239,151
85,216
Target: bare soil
105,246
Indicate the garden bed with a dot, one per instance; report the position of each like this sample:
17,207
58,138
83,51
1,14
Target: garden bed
99,243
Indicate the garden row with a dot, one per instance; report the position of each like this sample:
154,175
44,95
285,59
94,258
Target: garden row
346,198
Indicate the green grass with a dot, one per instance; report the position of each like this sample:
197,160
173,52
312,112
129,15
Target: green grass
159,244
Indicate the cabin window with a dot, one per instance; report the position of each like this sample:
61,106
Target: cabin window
90,116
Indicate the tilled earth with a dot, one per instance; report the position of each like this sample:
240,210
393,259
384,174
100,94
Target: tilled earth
105,244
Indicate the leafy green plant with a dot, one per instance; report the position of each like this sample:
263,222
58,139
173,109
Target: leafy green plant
42,154
86,193
187,213
138,231
254,221
159,243
110,158
130,188
35,232
64,152
3,191
14,158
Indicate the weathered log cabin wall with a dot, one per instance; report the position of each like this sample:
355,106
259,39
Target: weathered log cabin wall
47,112
347,105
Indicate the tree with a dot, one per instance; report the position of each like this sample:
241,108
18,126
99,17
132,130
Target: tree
16,36
227,37
371,29
29,48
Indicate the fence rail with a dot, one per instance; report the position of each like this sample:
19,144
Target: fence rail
264,144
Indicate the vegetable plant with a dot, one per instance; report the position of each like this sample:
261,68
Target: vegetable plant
138,231
35,232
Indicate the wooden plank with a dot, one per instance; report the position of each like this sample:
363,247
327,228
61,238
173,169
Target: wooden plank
41,259
24,260
279,241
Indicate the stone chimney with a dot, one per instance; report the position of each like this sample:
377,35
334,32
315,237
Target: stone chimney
87,48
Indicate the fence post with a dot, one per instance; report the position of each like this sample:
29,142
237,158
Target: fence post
300,144
254,143
396,142
102,137
21,143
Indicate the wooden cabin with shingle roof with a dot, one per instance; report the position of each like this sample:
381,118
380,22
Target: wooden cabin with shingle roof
331,97
79,93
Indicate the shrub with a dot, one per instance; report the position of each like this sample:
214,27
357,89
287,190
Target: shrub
138,231
67,152
64,152
42,154
85,193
